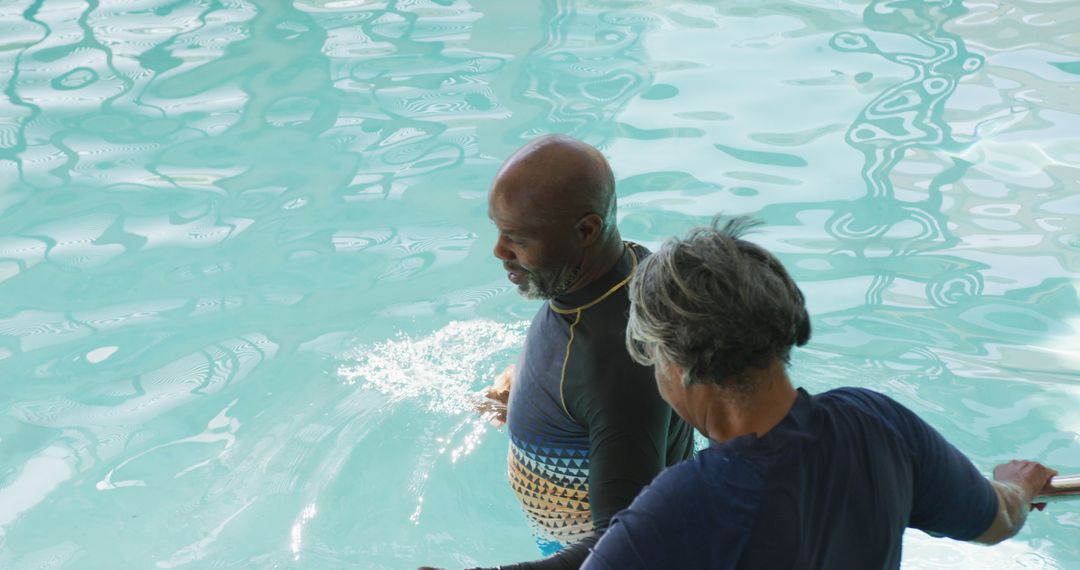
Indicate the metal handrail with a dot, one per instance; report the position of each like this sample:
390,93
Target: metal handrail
1061,487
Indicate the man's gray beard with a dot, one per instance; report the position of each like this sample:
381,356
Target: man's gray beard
537,287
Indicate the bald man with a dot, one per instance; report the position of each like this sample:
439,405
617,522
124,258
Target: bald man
588,428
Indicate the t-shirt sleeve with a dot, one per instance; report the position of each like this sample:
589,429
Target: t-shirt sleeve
649,533
627,544
951,497
679,521
628,424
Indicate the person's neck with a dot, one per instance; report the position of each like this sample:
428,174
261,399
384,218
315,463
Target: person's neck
598,262
726,415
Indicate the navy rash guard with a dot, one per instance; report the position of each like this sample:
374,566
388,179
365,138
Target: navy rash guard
833,485
588,428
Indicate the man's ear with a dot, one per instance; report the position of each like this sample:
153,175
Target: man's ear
589,229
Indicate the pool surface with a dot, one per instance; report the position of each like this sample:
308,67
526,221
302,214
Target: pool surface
246,282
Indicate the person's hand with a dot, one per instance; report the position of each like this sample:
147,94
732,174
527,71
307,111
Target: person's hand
492,405
1030,477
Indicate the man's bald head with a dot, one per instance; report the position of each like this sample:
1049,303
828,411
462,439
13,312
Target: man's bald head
557,178
553,203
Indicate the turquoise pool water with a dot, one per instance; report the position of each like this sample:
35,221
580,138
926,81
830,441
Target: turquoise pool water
246,286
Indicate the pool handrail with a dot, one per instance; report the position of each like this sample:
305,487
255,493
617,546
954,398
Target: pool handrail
1061,487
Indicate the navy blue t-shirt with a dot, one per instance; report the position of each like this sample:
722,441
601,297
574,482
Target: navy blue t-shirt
833,485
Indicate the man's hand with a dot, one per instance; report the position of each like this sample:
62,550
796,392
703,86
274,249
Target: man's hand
493,405
1029,476
1016,483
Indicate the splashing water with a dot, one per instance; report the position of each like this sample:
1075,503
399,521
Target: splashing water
441,371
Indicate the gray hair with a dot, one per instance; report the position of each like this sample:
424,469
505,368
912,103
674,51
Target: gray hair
715,305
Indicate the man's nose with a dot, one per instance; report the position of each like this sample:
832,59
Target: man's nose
501,251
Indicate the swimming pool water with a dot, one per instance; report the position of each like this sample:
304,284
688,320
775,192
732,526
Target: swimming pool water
246,288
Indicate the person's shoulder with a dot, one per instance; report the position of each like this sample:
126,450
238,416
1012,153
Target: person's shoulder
861,398
880,407
676,481
688,482
668,525
695,514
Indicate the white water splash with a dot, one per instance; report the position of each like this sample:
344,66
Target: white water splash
442,370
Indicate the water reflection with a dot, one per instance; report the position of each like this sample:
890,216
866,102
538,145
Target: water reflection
176,173
922,219
949,210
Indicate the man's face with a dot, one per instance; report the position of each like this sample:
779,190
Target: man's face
542,259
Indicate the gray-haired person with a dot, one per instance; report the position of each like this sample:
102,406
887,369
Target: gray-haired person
791,480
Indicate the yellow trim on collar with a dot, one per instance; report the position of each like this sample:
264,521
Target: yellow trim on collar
616,287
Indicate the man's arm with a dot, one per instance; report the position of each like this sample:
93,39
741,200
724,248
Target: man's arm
629,437
628,433
492,406
1016,483
628,440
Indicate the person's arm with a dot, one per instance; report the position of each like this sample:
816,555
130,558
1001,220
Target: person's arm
690,516
628,439
951,497
1016,483
628,432
492,405
638,540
